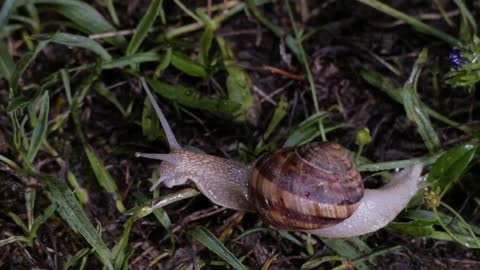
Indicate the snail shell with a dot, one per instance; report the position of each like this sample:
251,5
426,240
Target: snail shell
304,188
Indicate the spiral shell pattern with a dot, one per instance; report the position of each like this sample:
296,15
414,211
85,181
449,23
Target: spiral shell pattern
307,187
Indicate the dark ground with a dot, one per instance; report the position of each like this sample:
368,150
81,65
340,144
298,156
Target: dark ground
336,53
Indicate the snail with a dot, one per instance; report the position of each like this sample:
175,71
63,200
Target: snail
313,188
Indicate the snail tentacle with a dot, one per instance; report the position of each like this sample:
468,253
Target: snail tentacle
172,141
157,183
159,156
378,207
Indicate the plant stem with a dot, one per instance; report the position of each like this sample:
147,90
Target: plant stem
461,220
417,24
305,62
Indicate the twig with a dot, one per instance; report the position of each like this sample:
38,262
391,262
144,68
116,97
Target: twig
264,95
125,32
423,17
284,73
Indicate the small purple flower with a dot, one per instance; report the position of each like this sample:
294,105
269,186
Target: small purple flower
456,59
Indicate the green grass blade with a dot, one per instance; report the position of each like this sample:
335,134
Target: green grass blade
188,66
18,103
418,25
80,192
192,98
18,221
82,89
468,241
40,131
77,256
150,124
291,238
305,130
467,76
33,14
66,85
396,164
105,180
30,194
417,228
369,257
315,262
147,208
111,11
239,86
206,44
427,224
120,250
104,91
167,59
142,29
306,66
383,83
85,17
6,62
450,166
414,109
278,115
10,240
22,65
8,7
132,60
387,86
187,11
71,211
351,249
76,41
469,238
443,13
416,113
47,213
162,217
202,235
468,26
289,40
159,213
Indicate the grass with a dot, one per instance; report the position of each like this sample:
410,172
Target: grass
236,79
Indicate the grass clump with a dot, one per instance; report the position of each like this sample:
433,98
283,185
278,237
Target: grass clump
237,79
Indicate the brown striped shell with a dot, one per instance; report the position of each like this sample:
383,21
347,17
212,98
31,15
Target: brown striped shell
307,187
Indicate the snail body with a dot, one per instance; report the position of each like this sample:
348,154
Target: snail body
314,187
